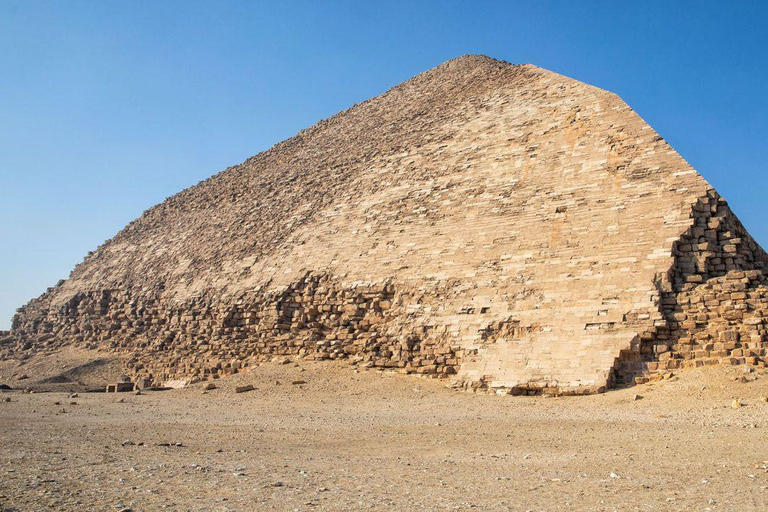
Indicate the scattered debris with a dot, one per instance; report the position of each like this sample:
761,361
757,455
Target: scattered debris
176,384
243,389
120,387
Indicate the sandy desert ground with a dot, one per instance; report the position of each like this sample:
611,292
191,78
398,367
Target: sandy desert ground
348,440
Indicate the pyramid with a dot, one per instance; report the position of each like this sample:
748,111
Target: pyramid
500,225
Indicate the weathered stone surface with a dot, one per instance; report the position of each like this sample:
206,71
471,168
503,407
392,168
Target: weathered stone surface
502,225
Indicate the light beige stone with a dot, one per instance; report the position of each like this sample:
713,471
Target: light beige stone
503,226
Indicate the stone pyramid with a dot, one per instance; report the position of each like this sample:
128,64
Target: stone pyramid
501,225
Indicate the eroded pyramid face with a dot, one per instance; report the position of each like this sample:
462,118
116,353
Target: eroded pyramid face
501,225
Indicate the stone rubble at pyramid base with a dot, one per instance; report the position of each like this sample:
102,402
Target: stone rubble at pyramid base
720,321
315,319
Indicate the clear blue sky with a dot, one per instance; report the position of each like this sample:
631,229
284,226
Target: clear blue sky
106,108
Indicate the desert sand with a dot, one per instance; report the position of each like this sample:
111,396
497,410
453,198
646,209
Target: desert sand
324,436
